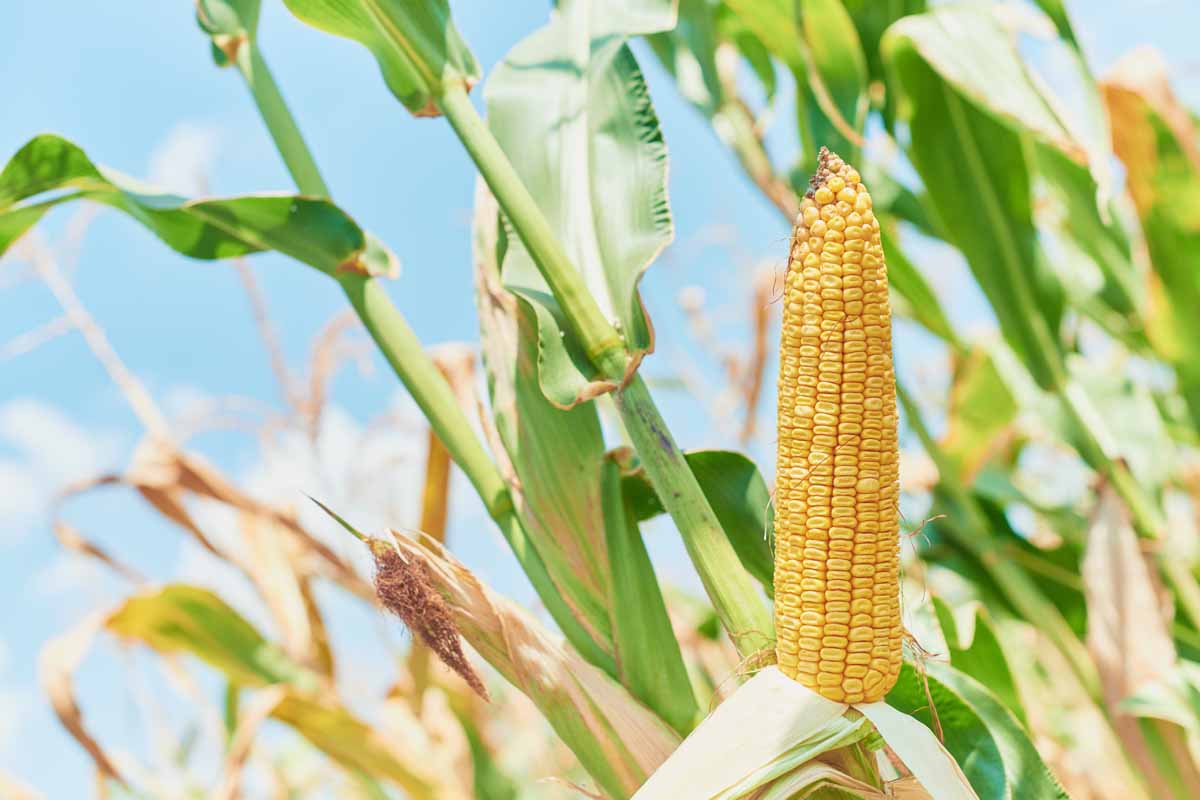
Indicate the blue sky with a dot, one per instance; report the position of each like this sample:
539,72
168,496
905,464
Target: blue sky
134,85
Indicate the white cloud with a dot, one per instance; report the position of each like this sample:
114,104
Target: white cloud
48,451
20,498
371,474
54,446
68,574
14,708
69,585
183,161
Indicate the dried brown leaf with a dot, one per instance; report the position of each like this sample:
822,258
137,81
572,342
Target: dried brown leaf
435,495
907,788
266,329
1129,618
59,660
274,565
168,474
456,362
71,539
1143,76
322,649
330,351
279,553
754,368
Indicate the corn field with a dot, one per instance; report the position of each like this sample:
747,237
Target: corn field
906,504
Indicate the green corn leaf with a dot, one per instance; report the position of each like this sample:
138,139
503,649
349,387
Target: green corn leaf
570,108
648,656
556,454
971,51
837,71
871,19
310,230
689,52
981,656
1072,214
739,497
1057,11
418,49
181,618
489,779
897,202
731,28
1053,573
1174,699
974,169
914,292
985,739
191,620
773,22
962,731
1125,410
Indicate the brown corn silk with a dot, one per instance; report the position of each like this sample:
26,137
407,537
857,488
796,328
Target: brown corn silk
837,597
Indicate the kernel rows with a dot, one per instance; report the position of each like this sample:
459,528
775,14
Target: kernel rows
837,601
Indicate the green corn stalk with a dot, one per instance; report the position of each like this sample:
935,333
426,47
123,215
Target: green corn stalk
428,67
416,370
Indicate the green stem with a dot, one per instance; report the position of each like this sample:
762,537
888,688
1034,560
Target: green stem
603,345
400,346
403,350
280,122
730,587
733,592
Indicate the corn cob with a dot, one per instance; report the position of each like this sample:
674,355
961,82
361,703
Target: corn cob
837,600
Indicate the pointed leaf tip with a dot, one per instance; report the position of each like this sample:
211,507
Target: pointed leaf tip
340,520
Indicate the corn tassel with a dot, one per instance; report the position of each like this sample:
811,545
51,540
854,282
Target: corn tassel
837,600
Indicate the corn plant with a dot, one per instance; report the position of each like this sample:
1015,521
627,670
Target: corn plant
825,687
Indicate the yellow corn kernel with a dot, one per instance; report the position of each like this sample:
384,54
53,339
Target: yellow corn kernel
837,601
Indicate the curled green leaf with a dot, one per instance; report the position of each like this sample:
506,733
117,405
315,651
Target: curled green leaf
415,42
50,170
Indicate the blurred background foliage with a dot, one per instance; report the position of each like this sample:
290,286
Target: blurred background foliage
1050,472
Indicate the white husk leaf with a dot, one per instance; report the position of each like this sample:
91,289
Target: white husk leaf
771,729
920,751
813,776
767,717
